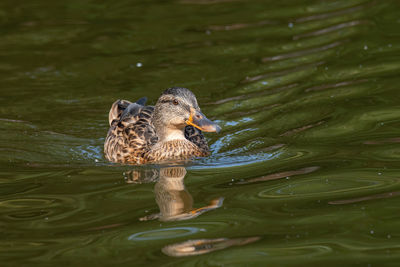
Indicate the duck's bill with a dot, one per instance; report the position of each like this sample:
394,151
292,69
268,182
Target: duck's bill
200,121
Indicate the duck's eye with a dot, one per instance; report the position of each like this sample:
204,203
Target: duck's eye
175,102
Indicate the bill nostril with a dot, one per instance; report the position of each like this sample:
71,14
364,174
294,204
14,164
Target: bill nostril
198,116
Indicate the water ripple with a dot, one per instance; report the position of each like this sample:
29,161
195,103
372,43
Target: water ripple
165,233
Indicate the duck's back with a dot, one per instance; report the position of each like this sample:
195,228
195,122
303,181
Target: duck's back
132,136
131,132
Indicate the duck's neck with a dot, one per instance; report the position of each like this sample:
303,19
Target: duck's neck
170,134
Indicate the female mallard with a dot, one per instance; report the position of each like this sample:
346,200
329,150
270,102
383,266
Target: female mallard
171,130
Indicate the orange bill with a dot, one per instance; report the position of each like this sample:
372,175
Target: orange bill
200,121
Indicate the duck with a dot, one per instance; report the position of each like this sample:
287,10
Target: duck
172,130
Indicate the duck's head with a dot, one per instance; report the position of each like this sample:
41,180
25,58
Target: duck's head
176,108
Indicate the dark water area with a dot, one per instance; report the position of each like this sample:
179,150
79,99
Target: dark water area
305,171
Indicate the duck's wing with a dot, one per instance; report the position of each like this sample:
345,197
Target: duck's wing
138,127
196,136
123,109
131,132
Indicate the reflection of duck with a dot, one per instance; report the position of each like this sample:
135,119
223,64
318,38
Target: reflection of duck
172,130
202,246
174,201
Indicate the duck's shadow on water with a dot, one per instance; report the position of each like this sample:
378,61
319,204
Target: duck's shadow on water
173,199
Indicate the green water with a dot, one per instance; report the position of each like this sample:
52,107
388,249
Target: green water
305,171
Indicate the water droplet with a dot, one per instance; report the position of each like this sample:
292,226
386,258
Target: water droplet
139,64
290,25
372,232
264,83
389,236
365,47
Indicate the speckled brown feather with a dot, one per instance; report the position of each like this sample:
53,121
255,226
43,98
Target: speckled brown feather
195,136
132,137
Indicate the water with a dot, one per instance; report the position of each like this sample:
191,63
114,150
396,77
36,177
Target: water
305,172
